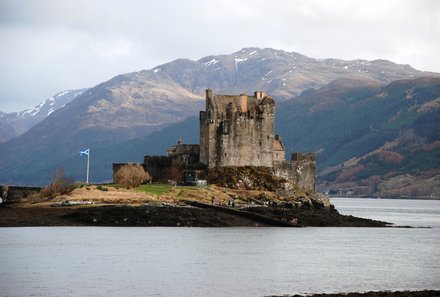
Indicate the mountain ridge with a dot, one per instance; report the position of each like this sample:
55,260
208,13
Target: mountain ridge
132,106
282,74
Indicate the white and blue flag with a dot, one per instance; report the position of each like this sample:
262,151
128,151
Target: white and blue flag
84,152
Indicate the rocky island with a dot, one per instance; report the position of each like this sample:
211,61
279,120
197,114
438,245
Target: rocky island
239,156
216,205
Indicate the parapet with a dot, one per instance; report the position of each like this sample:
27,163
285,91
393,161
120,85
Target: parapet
304,157
220,104
179,149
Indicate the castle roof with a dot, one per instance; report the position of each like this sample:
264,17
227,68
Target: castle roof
278,145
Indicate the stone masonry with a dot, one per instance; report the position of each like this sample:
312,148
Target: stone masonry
237,130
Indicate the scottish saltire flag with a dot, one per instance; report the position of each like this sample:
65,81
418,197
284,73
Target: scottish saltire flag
84,152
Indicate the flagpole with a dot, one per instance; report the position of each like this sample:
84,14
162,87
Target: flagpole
88,160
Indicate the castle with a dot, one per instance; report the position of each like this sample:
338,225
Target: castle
236,130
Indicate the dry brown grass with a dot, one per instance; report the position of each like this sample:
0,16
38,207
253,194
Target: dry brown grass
218,195
111,196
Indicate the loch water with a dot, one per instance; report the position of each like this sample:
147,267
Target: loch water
145,261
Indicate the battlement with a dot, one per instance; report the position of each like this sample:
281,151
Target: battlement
222,107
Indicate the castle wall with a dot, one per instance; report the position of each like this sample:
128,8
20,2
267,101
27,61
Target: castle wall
283,169
13,194
301,170
184,155
304,171
157,166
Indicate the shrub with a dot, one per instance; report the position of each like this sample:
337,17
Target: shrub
59,185
101,188
131,176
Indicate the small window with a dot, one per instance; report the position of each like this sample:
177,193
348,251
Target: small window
267,137
226,154
260,143
276,155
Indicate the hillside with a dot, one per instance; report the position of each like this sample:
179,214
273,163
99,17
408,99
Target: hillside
120,113
370,139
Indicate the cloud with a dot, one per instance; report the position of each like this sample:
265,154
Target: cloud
49,46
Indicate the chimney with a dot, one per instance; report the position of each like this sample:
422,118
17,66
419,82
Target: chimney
243,102
259,95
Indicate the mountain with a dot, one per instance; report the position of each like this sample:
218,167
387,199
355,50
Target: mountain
125,107
370,139
282,74
130,107
16,123
7,131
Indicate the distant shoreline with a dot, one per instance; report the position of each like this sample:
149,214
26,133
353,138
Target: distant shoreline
423,293
390,198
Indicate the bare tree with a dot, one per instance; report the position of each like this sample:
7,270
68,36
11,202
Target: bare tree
60,184
131,176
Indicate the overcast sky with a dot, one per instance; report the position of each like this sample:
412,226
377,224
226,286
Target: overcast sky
51,46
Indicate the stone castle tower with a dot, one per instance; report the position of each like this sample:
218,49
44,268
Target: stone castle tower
238,130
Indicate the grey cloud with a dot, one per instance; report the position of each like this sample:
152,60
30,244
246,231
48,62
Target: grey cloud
50,46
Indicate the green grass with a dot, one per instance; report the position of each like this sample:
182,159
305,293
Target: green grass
157,189
405,119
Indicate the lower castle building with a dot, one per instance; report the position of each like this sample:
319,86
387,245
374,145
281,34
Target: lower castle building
236,130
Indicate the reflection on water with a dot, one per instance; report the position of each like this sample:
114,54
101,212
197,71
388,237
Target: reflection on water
91,261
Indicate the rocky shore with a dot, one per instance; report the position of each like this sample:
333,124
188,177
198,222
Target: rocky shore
178,206
424,293
175,215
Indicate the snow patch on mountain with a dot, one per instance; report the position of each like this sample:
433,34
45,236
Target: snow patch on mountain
211,62
22,121
238,61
